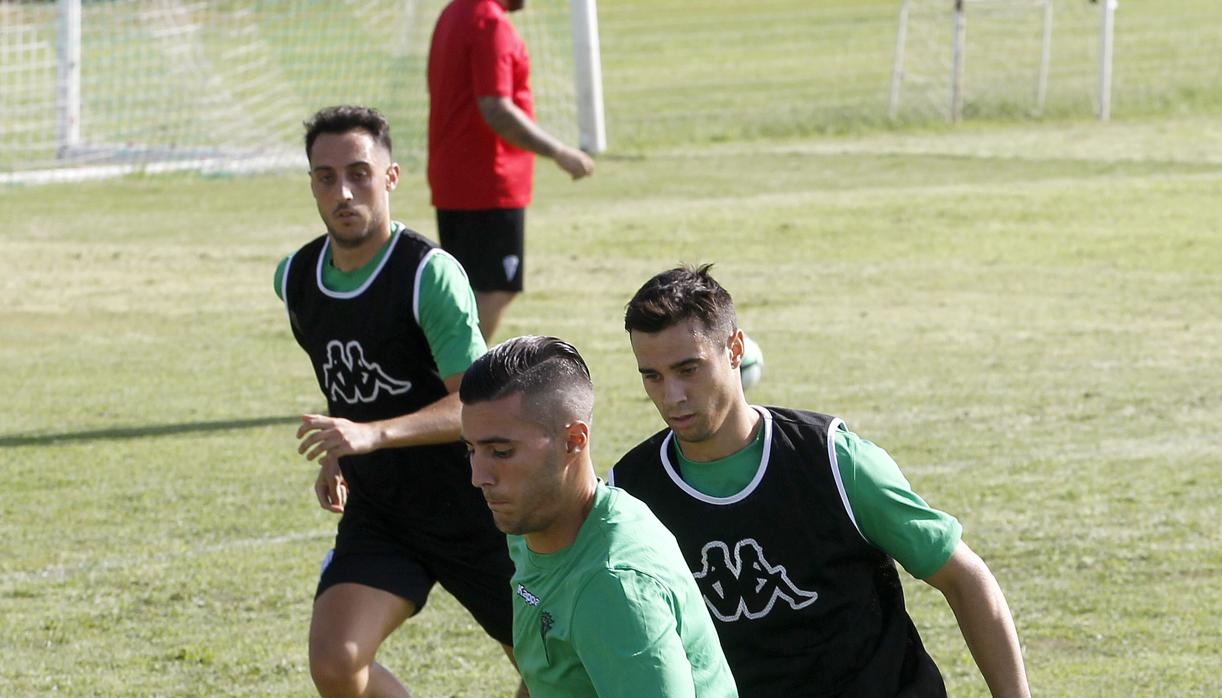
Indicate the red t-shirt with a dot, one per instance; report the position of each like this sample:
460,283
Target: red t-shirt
476,52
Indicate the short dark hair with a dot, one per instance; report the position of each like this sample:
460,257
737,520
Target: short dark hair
548,372
679,294
344,118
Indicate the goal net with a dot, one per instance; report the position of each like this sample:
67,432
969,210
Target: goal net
999,58
224,85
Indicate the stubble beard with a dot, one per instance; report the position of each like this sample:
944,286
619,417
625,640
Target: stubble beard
696,433
350,243
353,240
529,519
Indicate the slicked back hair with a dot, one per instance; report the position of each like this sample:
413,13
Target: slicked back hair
549,373
344,118
680,294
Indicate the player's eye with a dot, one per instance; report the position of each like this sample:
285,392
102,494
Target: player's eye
502,453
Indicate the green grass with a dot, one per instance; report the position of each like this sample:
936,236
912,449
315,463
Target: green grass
1023,313
1025,317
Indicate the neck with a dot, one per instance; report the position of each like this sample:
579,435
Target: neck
735,433
352,258
564,529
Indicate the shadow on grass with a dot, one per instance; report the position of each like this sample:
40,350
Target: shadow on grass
139,432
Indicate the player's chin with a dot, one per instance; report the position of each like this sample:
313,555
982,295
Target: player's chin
504,523
350,230
690,428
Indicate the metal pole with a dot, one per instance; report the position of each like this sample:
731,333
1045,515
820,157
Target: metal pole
68,78
591,122
1106,30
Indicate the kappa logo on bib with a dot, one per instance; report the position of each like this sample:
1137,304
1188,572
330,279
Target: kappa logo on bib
511,264
746,584
351,378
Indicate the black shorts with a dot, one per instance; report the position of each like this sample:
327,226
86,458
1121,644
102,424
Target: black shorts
489,243
476,571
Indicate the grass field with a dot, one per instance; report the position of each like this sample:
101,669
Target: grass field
1025,316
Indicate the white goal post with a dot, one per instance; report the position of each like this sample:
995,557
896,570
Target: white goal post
92,89
1026,27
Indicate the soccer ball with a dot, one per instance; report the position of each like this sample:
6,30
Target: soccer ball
752,367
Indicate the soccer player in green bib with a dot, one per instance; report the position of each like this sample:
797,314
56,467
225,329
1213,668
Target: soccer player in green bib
791,523
389,324
604,604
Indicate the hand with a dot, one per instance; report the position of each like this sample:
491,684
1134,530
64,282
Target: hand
575,162
333,437
330,488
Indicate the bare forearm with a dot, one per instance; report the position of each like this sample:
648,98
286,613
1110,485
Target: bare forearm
989,633
437,423
984,618
511,123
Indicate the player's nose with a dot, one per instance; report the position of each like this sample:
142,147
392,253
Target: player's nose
481,476
673,392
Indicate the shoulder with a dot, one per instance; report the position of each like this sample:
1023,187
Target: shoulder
645,455
411,241
486,13
441,267
626,511
801,429
305,254
312,246
413,253
467,10
635,538
442,284
801,419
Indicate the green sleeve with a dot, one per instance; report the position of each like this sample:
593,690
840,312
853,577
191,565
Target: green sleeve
278,279
888,513
447,313
625,633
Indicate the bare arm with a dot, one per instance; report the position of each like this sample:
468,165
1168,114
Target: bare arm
511,123
984,619
329,438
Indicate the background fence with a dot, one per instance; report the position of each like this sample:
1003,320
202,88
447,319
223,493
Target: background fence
163,77
792,68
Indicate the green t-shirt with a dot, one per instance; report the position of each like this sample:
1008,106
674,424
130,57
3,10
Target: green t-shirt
617,613
448,314
889,514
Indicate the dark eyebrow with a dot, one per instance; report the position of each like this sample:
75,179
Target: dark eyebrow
355,163
489,440
675,366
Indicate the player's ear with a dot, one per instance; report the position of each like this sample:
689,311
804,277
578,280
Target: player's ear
576,437
392,176
737,346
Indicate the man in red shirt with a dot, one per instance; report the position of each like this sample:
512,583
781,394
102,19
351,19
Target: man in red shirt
482,145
